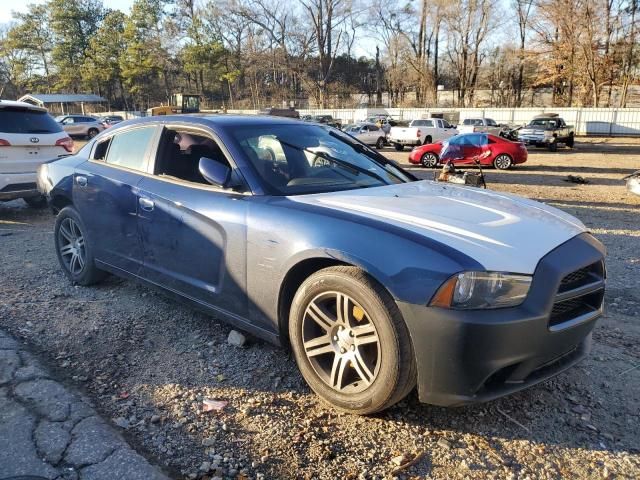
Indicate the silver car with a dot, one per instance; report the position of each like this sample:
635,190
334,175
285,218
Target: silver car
80,125
368,133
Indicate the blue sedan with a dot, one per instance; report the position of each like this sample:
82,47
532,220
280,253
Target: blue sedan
301,235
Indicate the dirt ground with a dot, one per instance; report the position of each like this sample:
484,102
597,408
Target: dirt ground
147,362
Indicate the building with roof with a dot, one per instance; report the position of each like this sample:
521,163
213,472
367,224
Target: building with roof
63,103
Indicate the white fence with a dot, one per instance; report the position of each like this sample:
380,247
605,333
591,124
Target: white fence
587,121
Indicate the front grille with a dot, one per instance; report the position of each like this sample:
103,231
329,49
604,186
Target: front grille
587,287
589,274
18,187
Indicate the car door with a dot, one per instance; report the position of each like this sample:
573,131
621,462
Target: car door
193,234
105,194
373,134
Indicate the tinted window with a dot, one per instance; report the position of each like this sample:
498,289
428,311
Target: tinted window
128,148
422,123
22,120
101,150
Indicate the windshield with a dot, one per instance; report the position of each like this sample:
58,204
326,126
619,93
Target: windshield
302,159
543,122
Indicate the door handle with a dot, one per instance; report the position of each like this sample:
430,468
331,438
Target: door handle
81,181
146,204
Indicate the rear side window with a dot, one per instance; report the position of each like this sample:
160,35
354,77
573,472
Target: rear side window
128,149
23,120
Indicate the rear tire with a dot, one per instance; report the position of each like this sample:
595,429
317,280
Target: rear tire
570,141
74,249
380,143
350,341
398,147
502,162
38,201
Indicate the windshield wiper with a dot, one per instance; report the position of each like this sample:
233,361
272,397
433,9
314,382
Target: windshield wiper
337,161
373,155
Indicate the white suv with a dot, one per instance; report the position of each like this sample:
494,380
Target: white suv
29,136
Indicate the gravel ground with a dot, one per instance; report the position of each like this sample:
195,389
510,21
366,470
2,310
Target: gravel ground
147,363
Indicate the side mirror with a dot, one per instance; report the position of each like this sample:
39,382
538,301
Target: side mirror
214,172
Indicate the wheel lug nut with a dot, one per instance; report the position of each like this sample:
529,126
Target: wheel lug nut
335,338
351,333
353,348
342,350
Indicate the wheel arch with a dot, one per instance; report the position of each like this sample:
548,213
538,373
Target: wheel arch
297,274
58,201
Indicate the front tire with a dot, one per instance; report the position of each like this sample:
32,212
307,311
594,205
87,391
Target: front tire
427,140
502,162
429,160
350,341
553,147
92,132
74,251
399,147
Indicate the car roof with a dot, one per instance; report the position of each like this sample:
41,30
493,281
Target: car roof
226,120
13,103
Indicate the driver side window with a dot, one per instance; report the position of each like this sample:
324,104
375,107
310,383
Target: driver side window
179,154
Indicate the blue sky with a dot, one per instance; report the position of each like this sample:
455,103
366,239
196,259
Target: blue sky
7,7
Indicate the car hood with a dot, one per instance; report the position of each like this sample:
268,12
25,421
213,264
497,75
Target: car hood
500,231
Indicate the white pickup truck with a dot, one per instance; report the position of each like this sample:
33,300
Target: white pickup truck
480,125
420,132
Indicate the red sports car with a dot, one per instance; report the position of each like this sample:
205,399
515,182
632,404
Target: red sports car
462,149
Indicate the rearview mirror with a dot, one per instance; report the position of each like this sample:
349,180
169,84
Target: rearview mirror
214,172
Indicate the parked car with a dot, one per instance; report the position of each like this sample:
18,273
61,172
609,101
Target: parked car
368,133
481,125
385,122
110,120
80,125
29,136
548,130
463,148
325,120
281,112
477,295
420,132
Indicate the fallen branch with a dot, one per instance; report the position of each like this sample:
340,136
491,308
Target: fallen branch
410,463
513,420
628,370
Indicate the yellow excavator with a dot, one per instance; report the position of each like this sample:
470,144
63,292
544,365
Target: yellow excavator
179,103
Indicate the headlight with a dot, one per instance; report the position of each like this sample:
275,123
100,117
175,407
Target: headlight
480,290
548,134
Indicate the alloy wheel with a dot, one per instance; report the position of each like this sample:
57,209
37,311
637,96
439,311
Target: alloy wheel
502,162
429,160
71,246
341,342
